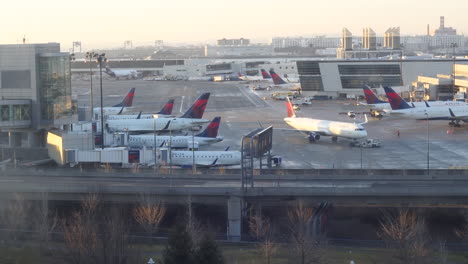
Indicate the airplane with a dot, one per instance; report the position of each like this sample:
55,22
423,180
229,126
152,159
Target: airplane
315,128
250,78
166,111
375,103
117,74
204,158
279,82
400,108
291,79
265,75
208,136
119,108
190,119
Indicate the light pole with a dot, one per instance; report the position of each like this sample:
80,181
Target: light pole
89,57
453,46
427,120
100,59
194,168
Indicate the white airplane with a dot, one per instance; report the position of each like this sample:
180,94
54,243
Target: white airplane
208,136
316,127
454,113
279,82
119,108
123,73
191,118
375,103
254,78
204,158
166,111
153,125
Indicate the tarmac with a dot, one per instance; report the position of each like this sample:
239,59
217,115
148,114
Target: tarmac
243,110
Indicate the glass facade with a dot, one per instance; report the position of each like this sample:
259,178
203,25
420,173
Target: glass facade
218,67
374,75
54,86
310,76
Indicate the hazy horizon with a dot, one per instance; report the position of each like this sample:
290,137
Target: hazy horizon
110,23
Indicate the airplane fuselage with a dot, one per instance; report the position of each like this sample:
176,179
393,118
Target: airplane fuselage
327,128
205,158
155,124
139,141
431,113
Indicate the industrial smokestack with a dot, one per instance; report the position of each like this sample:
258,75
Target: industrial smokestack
428,32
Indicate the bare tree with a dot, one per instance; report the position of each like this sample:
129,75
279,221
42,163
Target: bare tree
194,226
408,233
260,228
149,213
113,239
81,232
309,248
45,221
15,216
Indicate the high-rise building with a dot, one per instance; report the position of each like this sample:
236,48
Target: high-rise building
346,40
35,91
369,40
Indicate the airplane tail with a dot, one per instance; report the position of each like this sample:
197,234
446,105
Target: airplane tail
212,129
289,108
396,102
371,98
276,78
109,71
198,108
167,109
128,100
265,74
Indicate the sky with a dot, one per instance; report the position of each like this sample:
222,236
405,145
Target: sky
105,23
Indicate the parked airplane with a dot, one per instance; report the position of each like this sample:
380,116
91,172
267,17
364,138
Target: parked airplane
166,111
254,78
202,158
119,108
265,74
316,127
279,82
375,103
124,73
400,108
207,137
291,79
191,118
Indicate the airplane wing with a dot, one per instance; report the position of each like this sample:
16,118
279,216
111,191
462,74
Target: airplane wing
322,133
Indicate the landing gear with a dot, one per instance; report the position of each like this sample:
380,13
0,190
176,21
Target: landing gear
455,123
334,139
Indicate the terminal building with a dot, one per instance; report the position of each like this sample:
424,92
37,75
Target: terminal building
35,92
339,78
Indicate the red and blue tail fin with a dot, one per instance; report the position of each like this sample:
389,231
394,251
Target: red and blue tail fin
198,108
265,74
371,98
276,78
167,109
396,102
212,129
128,100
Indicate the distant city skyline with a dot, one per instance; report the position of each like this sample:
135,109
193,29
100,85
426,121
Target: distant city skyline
109,23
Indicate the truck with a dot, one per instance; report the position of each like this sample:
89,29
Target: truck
302,101
368,143
284,95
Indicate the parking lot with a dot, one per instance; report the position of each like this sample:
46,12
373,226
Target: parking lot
243,110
